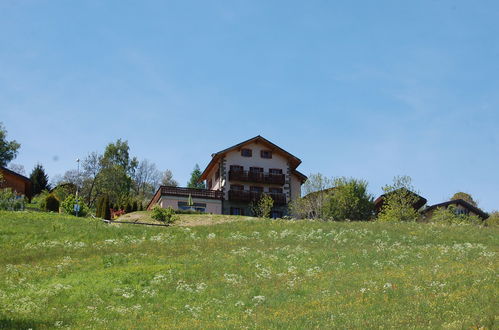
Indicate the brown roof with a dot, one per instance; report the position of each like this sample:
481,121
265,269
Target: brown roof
463,203
294,161
14,173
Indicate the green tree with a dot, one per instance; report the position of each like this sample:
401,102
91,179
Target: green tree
465,197
194,181
399,200
135,206
349,200
39,180
449,215
98,209
316,191
8,149
263,206
106,211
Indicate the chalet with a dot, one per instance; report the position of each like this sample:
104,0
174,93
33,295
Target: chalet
19,183
460,207
238,176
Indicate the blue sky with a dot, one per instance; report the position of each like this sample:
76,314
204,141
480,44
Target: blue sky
368,89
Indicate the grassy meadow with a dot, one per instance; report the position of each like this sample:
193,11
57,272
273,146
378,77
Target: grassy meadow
62,271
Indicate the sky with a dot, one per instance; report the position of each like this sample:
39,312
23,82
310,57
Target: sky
364,89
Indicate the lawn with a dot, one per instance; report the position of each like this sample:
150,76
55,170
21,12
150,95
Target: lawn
62,271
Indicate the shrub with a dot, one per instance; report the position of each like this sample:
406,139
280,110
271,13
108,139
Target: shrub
67,206
492,220
9,201
398,201
164,215
128,208
349,201
51,203
263,207
449,216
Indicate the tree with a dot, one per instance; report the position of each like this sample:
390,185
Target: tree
317,188
168,179
349,201
106,211
263,206
8,149
194,181
146,179
98,209
39,180
399,200
465,197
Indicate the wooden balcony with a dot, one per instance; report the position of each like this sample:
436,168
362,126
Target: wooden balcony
258,177
250,196
185,192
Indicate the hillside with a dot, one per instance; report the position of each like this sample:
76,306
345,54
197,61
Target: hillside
60,271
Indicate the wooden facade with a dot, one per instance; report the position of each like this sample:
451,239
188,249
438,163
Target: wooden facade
17,182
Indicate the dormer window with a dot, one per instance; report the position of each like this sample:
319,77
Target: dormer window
246,152
266,154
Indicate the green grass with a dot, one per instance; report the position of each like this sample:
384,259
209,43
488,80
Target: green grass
61,271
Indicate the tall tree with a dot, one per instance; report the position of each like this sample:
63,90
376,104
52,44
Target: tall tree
349,200
465,197
168,179
146,179
39,180
194,181
8,149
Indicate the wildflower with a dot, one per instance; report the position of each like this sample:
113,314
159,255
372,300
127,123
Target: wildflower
211,236
258,300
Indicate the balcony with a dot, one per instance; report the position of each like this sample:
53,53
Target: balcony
250,196
259,177
185,192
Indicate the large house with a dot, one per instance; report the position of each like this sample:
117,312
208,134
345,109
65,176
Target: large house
19,183
236,177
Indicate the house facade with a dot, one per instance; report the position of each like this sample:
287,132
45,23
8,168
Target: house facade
245,171
19,183
460,206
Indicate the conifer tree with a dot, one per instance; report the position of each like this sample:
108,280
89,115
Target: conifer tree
106,211
39,180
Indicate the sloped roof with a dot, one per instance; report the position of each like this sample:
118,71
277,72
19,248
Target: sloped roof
4,169
461,202
294,161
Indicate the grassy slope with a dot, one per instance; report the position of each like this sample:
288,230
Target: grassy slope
62,271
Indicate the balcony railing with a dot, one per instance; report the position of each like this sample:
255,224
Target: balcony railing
250,196
260,177
185,192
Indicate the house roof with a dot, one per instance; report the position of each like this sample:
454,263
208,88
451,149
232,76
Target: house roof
300,176
294,161
461,202
420,202
4,169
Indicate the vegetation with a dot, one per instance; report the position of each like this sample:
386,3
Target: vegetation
465,197
449,215
164,215
39,180
263,206
62,271
51,203
67,206
194,181
316,192
349,201
8,149
168,179
399,200
9,201
492,220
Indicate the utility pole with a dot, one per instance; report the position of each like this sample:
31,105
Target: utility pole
77,205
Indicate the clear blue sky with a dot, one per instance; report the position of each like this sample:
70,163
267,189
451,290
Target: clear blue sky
369,89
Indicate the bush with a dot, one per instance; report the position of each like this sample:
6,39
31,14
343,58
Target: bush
399,201
263,207
67,206
164,215
349,201
492,220
449,216
128,208
9,201
51,203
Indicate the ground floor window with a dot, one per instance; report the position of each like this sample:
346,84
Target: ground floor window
236,211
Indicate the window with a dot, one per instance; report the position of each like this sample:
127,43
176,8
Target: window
256,169
200,207
275,171
275,190
266,154
236,168
256,189
246,152
236,211
236,187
